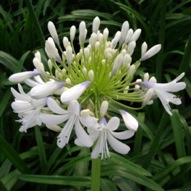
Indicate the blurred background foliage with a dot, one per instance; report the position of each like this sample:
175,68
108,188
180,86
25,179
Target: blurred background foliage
160,158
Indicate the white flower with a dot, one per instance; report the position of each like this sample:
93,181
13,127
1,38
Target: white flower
53,32
28,109
71,119
130,122
162,91
104,135
74,92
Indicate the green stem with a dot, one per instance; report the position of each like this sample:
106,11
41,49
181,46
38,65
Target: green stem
95,176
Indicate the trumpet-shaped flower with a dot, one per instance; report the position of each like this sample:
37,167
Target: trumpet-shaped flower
71,119
164,92
28,109
104,135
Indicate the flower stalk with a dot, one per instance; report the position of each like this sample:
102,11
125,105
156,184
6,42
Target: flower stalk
95,174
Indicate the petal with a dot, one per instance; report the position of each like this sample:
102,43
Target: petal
46,89
51,119
117,145
113,123
19,96
21,106
75,92
123,135
21,76
74,107
64,136
55,108
82,136
130,122
89,121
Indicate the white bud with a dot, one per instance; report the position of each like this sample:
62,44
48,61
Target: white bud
103,108
69,55
151,52
136,35
100,37
66,42
93,39
96,23
131,71
131,47
91,75
117,63
127,60
128,35
105,33
82,32
72,33
53,32
144,47
39,66
49,64
153,79
124,30
146,77
86,52
84,70
68,81
37,55
51,50
116,39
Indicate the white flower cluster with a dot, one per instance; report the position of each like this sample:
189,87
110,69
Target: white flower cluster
73,96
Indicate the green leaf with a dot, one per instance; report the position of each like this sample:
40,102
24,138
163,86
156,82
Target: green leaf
57,180
9,152
178,134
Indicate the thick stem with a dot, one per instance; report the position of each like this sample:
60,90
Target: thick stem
95,174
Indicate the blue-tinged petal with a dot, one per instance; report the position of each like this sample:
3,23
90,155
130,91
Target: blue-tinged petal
75,92
118,146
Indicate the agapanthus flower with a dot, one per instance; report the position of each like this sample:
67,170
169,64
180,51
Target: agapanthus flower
104,135
72,118
164,91
76,94
28,109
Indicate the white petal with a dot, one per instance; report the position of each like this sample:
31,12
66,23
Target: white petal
18,96
46,89
130,122
117,145
39,66
75,92
113,124
51,119
82,136
21,76
54,107
74,107
21,106
89,121
123,135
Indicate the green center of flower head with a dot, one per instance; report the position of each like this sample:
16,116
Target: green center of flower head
106,64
